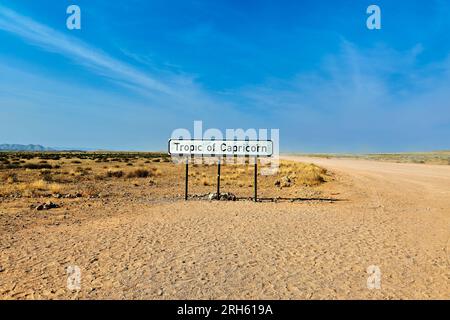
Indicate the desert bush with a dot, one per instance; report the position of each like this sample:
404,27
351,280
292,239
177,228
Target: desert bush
91,191
99,177
36,166
10,178
138,173
46,175
79,172
114,173
11,166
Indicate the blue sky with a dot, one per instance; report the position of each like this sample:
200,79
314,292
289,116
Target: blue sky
137,70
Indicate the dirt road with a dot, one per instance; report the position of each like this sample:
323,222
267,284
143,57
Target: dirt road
390,217
410,200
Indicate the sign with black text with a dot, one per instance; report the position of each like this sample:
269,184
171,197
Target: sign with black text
251,148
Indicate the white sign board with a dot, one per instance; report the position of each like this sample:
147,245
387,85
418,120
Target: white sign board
216,148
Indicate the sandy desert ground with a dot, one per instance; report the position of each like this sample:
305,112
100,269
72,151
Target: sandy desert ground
136,238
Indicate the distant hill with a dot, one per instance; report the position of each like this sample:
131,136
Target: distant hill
23,147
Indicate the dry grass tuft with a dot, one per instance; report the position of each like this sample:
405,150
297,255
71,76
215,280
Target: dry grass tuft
55,188
37,185
33,188
306,174
157,172
205,182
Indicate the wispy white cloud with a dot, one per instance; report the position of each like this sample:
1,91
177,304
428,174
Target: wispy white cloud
160,88
100,62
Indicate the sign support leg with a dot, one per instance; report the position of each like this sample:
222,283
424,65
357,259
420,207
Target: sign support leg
218,179
186,181
256,179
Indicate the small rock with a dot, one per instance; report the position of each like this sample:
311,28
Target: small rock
47,206
284,182
93,259
226,196
160,292
212,196
48,292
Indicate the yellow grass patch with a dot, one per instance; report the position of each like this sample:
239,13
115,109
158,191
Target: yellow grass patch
31,188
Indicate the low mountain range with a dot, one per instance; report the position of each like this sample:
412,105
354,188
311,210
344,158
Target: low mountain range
40,148
23,147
